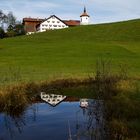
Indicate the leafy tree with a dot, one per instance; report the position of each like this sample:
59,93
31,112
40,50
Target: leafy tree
15,28
10,31
11,19
10,28
19,29
3,19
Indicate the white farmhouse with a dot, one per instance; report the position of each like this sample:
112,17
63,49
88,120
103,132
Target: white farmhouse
51,23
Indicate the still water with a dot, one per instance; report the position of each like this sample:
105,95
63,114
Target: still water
53,118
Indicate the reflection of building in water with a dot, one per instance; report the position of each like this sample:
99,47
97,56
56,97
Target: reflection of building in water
84,103
92,124
52,99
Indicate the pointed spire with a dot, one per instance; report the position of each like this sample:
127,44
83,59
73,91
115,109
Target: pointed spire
85,12
84,9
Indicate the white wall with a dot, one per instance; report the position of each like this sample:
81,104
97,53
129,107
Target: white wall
84,20
51,24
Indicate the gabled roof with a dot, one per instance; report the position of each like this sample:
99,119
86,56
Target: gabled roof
55,17
66,22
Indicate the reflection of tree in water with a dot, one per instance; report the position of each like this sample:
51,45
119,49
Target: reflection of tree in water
17,119
13,105
92,128
10,122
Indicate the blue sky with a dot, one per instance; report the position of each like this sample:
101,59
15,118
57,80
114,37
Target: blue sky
100,10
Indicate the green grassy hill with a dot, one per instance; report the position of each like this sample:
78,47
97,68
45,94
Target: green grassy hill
72,52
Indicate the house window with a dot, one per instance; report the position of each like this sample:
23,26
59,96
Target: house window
43,28
58,21
55,96
48,21
53,21
54,25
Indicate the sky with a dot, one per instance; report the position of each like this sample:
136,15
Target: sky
100,11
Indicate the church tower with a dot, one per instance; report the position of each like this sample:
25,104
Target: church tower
84,18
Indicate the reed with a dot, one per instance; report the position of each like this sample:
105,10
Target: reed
13,101
121,101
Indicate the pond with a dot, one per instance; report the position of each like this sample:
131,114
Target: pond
54,117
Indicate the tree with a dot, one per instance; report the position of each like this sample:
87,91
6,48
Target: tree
19,29
15,30
10,31
2,33
3,19
11,25
10,28
11,19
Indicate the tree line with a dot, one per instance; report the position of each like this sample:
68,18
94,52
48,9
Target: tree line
9,26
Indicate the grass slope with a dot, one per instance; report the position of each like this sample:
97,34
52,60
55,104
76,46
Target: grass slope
72,52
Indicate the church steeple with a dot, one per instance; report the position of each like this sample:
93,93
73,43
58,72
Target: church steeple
84,17
85,13
84,9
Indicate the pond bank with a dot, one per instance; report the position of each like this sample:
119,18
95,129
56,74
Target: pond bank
121,100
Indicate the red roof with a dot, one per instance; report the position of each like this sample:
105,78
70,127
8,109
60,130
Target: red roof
72,22
32,19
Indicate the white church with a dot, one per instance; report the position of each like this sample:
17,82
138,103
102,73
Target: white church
85,18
